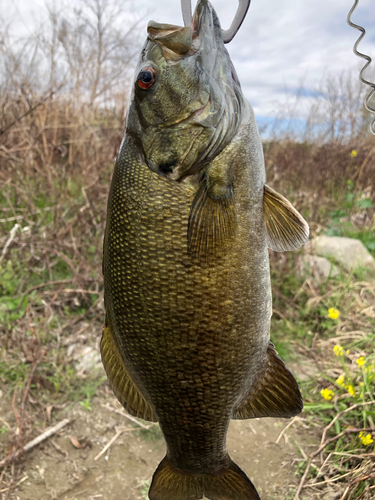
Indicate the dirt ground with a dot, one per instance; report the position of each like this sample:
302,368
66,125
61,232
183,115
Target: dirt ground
64,466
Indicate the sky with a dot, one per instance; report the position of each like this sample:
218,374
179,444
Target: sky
284,47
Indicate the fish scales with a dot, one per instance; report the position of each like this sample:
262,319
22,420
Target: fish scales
186,272
163,319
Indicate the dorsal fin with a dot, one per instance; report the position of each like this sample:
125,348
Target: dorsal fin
286,228
276,395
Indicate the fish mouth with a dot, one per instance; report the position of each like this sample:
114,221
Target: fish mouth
181,40
176,39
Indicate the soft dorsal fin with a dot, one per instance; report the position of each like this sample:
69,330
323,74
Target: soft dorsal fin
122,385
286,228
276,395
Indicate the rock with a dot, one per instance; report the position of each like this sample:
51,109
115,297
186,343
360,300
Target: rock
88,360
350,253
318,267
304,369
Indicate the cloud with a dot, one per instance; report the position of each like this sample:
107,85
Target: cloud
281,46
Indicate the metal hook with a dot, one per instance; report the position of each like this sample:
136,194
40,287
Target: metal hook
229,34
368,106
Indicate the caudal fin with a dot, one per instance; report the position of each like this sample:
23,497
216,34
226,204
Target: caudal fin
229,483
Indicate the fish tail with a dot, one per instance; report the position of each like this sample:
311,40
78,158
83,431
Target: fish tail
229,483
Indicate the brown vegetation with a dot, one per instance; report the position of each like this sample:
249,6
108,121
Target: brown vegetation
58,142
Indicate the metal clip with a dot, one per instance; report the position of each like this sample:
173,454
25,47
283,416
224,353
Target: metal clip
229,34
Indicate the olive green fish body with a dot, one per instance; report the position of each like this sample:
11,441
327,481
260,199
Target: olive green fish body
192,335
186,272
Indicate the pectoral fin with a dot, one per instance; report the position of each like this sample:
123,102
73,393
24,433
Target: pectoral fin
122,385
276,394
212,219
286,228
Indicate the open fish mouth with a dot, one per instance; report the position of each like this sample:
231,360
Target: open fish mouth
180,40
176,39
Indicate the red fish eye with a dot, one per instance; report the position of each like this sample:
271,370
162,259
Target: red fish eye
146,77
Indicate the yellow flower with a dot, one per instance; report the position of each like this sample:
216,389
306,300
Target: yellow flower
333,313
369,369
350,390
327,394
361,384
360,361
340,380
353,153
366,438
338,350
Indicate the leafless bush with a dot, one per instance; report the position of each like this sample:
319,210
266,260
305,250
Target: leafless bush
334,112
83,55
63,96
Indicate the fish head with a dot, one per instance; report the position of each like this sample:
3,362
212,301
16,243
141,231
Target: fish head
186,100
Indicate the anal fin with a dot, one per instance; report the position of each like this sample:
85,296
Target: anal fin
286,228
122,385
276,395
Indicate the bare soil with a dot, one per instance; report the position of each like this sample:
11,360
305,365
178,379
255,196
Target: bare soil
64,467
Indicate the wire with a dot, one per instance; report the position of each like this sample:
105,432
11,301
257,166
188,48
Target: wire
369,108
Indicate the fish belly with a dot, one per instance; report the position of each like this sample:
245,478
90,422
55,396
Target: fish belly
192,336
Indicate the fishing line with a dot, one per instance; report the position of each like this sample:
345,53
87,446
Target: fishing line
369,108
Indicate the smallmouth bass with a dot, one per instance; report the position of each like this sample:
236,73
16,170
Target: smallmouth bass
186,271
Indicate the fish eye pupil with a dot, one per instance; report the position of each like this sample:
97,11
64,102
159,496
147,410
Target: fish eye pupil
146,77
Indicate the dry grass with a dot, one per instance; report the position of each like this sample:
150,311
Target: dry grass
58,145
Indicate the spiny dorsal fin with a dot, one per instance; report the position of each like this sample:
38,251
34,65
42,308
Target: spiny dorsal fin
286,228
212,224
122,385
276,395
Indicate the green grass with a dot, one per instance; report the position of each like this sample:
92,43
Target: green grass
344,361
13,374
145,489
64,242
152,434
340,223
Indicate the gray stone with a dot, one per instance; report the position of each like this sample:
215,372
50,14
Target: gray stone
350,253
88,360
318,267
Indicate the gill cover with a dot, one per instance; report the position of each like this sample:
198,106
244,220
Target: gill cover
193,109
